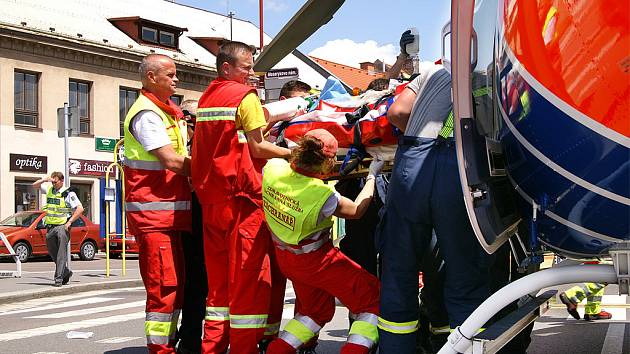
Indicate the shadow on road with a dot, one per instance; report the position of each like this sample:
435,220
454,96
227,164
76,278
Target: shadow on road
130,350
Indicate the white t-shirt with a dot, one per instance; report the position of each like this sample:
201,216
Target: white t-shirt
148,128
71,199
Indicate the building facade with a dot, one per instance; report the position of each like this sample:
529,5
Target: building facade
86,53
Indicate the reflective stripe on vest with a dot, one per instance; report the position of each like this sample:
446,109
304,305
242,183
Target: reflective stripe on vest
215,113
447,125
57,212
248,321
159,327
153,206
217,314
363,330
299,330
144,165
397,327
309,247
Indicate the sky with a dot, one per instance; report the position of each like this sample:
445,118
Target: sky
353,35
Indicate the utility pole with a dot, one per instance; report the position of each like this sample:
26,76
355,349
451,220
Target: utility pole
230,15
260,10
66,180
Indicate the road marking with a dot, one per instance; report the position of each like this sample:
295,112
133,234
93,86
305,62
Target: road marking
613,343
98,271
115,340
33,303
42,331
91,310
88,301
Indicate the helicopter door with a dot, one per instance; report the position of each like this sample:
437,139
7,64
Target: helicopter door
489,197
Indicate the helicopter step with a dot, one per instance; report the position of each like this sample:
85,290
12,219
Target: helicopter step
499,333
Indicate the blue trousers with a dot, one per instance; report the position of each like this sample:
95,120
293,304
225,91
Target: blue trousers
425,194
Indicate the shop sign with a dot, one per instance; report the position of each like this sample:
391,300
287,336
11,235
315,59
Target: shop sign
93,168
105,144
28,163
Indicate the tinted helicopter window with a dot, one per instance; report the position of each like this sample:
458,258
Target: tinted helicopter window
484,24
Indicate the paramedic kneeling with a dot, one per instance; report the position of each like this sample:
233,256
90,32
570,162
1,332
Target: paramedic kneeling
299,208
425,194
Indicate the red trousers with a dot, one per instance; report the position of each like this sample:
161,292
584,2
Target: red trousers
278,288
320,276
236,247
162,270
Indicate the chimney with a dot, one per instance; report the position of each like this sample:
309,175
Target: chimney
366,65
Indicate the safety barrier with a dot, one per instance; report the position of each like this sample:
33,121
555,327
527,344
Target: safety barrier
11,274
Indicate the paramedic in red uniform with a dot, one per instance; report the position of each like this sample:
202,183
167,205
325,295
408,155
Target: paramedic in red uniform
228,154
157,198
299,207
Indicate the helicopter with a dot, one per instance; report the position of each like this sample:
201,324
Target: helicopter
544,153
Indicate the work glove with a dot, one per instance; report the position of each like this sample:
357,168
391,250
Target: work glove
354,156
405,39
375,167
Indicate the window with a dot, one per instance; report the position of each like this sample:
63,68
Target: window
25,98
78,223
126,98
177,99
84,193
154,33
26,196
149,34
167,38
80,97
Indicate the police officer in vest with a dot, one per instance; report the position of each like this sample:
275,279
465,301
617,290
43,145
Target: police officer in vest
63,207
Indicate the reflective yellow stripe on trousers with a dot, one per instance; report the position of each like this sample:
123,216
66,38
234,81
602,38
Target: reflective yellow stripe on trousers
159,327
217,313
397,327
299,330
248,321
363,330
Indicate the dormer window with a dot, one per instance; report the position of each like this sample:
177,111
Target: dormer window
149,32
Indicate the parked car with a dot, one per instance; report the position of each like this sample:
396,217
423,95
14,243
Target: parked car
115,245
26,233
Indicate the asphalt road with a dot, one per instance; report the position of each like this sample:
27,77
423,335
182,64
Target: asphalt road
116,319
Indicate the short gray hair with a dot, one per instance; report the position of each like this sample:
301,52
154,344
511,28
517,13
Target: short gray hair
150,63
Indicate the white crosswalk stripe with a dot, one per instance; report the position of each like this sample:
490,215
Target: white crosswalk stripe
64,327
92,310
37,303
88,301
114,340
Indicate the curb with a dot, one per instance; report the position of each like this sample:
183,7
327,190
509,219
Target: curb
68,289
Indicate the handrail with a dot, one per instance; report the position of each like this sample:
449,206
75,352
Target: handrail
124,226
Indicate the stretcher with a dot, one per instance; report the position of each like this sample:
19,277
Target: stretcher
360,126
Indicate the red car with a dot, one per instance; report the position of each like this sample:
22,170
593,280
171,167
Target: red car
115,245
26,233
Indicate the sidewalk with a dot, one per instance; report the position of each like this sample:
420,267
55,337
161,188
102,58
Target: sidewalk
37,278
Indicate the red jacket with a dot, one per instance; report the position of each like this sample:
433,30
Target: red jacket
222,167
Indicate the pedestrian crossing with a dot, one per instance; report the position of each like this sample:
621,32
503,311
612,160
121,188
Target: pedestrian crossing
84,311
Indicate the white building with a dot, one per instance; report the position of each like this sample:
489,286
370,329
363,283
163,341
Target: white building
86,52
